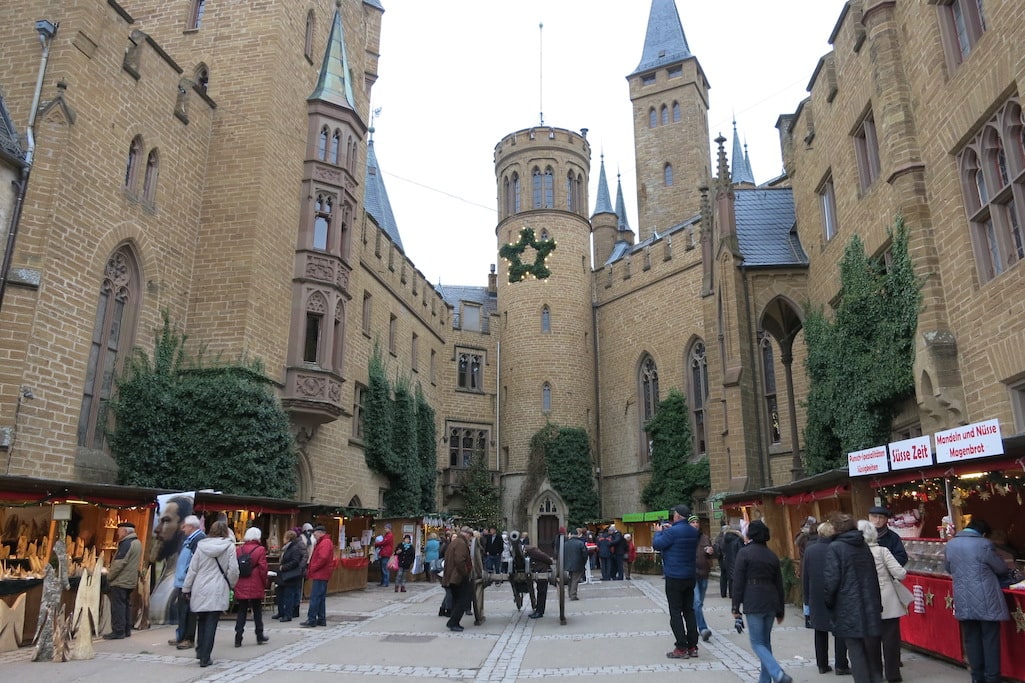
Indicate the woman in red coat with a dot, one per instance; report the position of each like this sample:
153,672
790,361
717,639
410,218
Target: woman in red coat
249,590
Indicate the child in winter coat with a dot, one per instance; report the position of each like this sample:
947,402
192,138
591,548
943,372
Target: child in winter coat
406,554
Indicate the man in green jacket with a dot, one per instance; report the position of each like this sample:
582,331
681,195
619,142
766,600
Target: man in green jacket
123,577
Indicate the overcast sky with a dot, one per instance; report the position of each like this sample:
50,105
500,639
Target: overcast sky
456,76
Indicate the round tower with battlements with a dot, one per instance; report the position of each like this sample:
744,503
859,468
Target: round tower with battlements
546,358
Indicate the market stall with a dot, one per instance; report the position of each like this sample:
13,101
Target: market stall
33,512
350,530
933,494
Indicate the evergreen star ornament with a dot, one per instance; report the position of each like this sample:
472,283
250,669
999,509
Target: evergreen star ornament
513,254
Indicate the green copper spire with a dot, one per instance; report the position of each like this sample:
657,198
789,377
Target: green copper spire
334,85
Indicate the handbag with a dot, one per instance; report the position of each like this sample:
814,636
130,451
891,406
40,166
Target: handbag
393,563
904,593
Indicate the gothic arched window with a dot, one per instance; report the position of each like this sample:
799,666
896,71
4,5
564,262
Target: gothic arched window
149,183
649,399
322,143
546,319
769,390
697,365
536,187
546,398
134,159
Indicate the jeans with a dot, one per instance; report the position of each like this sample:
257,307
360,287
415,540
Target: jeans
317,613
700,588
982,645
759,627
680,596
289,596
384,570
186,620
205,633
493,564
606,568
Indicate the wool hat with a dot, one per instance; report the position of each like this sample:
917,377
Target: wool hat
879,510
693,518
307,527
319,527
683,510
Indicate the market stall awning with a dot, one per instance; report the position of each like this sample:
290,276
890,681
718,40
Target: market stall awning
207,501
812,496
951,469
30,490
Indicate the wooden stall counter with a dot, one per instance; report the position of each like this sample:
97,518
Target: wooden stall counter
349,575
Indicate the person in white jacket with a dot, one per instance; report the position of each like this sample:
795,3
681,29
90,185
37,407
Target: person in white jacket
212,574
888,570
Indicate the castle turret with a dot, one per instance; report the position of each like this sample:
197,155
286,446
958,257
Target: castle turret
670,102
604,223
546,366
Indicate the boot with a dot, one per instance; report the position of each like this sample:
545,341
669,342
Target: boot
238,640
397,589
403,589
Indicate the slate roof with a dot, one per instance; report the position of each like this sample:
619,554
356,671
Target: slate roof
765,228
454,294
376,200
374,3
604,203
664,43
9,145
621,248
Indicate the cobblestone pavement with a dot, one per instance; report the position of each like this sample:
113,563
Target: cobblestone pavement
617,630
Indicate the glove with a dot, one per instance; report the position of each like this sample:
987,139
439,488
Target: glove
738,624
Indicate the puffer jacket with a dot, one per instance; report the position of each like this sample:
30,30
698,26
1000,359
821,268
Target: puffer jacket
888,570
678,545
813,578
758,581
253,586
212,574
852,588
975,567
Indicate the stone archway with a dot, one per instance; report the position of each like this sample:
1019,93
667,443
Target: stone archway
782,320
545,514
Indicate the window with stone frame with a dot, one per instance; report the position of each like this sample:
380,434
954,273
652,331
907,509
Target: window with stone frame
962,23
676,112
570,191
665,115
149,183
769,390
325,135
464,442
202,77
358,405
196,14
323,207
668,175
546,398
470,370
992,170
414,353
535,180
313,334
648,389
652,118
546,319
549,188
113,333
827,204
134,161
336,142
338,338
866,151
697,390
393,335
310,28
433,366
470,318
367,309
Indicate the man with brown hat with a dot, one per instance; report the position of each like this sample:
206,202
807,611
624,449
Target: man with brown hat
123,577
456,576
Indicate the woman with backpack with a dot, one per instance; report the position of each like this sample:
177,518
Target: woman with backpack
251,586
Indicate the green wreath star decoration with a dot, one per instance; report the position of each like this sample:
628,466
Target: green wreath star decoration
512,253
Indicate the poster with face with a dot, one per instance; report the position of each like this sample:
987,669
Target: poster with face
172,509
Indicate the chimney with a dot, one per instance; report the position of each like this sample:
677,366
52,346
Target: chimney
492,282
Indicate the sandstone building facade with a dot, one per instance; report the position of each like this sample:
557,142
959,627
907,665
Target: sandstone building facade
216,160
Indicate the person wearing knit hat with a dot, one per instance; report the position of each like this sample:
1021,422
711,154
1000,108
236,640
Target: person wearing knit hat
702,568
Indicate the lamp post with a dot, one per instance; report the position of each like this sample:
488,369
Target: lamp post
46,30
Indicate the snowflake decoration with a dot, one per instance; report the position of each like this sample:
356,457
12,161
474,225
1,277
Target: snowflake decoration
513,253
985,495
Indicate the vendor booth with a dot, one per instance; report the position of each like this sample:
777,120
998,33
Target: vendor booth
32,514
350,530
933,494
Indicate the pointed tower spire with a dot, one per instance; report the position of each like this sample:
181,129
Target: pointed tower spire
376,199
624,224
664,43
333,85
604,203
740,171
747,162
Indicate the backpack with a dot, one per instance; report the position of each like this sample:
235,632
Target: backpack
245,564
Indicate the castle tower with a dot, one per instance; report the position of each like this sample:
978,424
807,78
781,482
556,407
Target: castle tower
669,93
546,360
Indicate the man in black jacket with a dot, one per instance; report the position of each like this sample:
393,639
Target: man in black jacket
540,561
880,518
574,562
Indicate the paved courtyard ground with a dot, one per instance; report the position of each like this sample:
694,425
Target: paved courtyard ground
617,631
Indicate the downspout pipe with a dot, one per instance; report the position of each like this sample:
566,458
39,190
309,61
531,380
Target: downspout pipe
47,30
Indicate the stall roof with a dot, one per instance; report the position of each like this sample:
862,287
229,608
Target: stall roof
208,500
33,490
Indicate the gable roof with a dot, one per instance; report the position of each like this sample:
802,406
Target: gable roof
766,233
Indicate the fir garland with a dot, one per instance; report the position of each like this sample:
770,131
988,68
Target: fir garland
513,253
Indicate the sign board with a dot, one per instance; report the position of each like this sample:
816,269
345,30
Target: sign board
911,453
977,440
867,462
